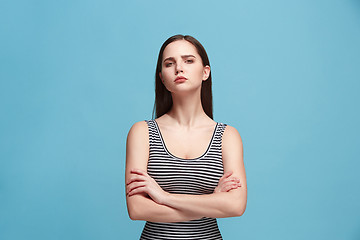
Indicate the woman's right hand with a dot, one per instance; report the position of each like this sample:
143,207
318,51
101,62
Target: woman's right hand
227,183
141,182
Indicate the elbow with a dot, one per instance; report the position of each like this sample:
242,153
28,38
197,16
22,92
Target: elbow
138,208
239,208
239,211
133,214
236,211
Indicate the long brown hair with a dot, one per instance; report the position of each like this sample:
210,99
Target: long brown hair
163,99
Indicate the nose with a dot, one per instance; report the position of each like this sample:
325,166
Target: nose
178,68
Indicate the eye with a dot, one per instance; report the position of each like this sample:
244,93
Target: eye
168,64
189,61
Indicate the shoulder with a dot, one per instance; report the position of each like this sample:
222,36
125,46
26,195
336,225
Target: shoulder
137,127
231,132
138,130
231,137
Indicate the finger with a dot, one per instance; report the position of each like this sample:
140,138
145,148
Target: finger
140,172
134,185
136,178
226,182
137,171
226,175
230,187
232,179
137,190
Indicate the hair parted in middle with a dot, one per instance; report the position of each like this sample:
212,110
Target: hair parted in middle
163,98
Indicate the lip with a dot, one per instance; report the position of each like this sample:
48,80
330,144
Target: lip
180,79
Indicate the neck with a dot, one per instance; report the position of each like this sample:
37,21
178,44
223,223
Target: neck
187,110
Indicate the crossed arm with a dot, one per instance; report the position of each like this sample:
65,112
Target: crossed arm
146,200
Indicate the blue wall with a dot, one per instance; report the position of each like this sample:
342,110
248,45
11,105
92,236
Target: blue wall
75,75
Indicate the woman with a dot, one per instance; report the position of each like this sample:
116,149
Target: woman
183,169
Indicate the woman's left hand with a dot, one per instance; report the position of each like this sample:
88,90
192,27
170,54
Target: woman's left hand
141,182
227,183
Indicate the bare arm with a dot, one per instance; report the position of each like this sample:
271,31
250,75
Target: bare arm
217,204
140,206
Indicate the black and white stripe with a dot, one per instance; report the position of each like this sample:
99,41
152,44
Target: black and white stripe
184,176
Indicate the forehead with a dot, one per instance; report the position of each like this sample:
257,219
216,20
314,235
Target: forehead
178,48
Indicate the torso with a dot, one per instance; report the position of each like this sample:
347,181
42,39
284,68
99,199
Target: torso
194,168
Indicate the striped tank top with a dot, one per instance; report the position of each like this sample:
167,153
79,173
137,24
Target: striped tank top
184,176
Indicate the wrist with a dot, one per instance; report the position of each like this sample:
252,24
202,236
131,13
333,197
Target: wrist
165,200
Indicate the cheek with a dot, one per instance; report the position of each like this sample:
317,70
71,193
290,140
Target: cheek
199,71
166,75
165,79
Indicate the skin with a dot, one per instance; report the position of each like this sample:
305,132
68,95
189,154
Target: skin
184,129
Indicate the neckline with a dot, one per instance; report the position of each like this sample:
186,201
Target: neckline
207,150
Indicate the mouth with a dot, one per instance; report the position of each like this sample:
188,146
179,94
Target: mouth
180,79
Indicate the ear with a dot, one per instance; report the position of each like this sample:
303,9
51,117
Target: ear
206,72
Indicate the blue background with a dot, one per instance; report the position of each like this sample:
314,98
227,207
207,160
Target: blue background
75,75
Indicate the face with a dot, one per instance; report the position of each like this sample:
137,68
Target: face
182,67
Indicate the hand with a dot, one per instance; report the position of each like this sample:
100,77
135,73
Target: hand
227,183
141,182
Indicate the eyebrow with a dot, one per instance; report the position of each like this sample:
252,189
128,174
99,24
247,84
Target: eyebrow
183,56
